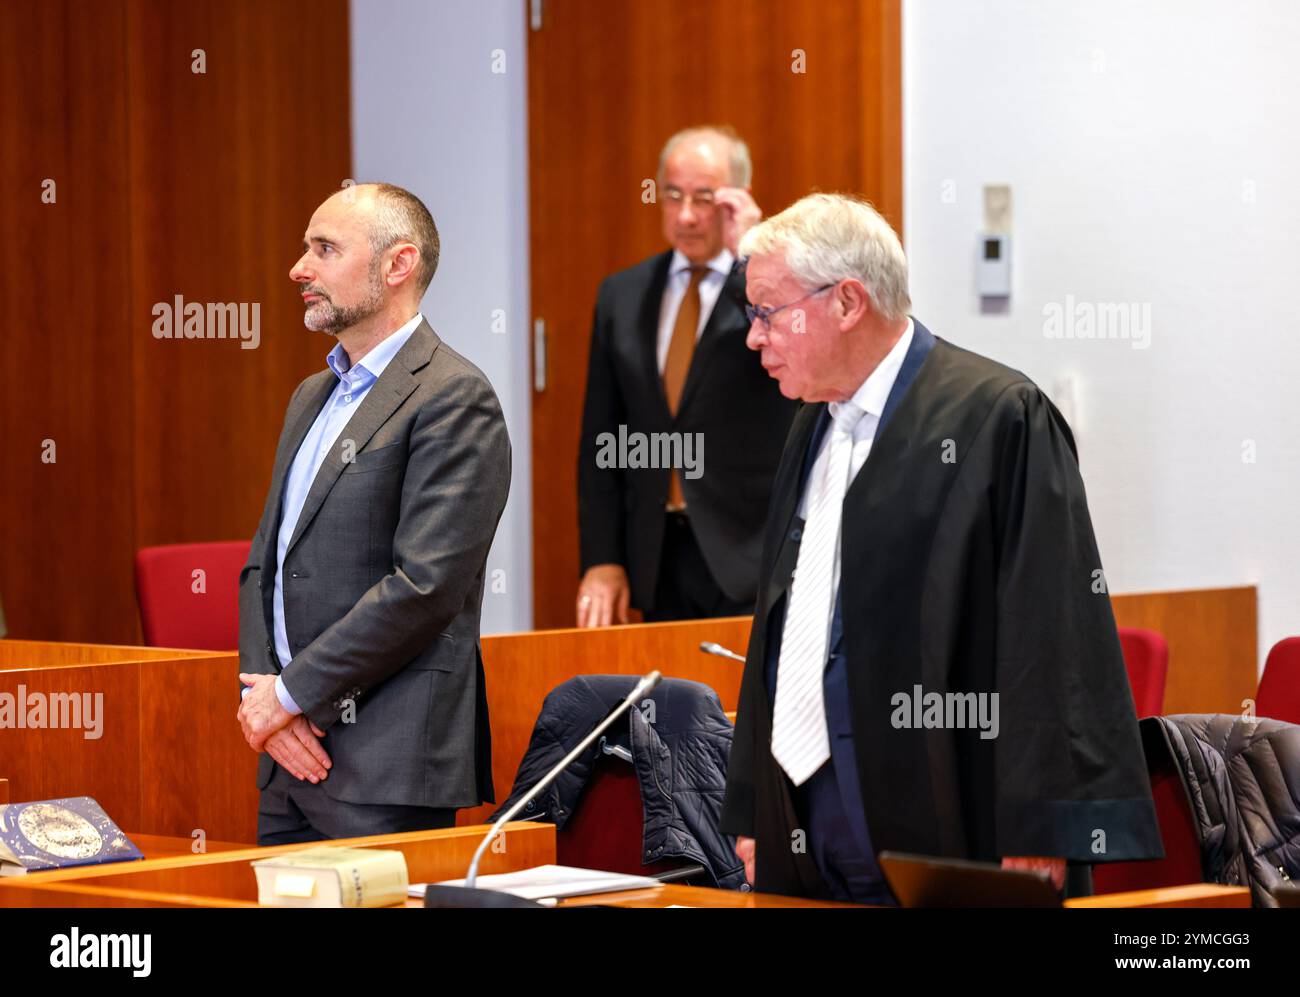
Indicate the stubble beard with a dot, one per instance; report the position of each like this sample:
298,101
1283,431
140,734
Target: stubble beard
327,317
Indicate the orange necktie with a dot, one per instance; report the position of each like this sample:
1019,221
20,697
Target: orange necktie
678,363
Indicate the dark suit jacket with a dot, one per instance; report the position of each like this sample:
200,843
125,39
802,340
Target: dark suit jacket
384,577
967,566
728,398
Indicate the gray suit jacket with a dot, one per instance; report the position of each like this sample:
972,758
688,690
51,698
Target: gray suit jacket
383,580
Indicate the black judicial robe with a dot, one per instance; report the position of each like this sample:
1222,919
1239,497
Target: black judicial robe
968,564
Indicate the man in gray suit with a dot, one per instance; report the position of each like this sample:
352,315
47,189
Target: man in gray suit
359,605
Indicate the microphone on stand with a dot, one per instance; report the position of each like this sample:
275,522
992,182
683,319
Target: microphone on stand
709,647
471,896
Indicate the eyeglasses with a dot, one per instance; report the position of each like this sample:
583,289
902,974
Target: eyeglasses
764,315
675,197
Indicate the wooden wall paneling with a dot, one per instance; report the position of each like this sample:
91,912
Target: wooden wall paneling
66,525
1213,644
227,167
168,183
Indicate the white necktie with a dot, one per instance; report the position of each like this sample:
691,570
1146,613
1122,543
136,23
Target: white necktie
800,742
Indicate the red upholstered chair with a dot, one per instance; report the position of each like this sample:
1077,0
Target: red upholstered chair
1146,657
1182,861
172,612
604,830
1279,688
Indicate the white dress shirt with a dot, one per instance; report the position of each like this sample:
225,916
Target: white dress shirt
354,384
679,278
870,397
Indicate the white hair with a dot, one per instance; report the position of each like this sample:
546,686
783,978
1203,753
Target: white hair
827,238
739,167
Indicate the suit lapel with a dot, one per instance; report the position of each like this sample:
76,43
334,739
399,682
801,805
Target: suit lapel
889,448
313,399
810,426
809,423
648,329
381,401
920,347
309,404
726,319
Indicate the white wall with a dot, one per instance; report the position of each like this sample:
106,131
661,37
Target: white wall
430,114
1152,149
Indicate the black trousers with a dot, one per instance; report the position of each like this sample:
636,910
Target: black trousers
685,589
290,811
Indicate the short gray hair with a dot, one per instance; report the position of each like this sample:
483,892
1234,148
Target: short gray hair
400,216
740,169
827,238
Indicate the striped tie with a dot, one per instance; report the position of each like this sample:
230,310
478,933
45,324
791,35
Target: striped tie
800,742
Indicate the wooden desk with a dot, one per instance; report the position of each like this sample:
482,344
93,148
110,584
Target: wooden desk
172,759
1190,895
23,655
161,846
1193,895
697,896
171,876
168,759
225,878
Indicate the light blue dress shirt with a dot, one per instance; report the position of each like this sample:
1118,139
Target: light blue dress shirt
353,385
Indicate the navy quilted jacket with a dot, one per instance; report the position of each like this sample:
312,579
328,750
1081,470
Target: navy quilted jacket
679,747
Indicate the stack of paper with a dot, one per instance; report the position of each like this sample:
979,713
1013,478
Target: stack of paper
552,881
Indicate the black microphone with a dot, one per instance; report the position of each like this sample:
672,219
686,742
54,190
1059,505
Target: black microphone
470,896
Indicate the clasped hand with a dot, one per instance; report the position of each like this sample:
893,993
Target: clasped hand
293,741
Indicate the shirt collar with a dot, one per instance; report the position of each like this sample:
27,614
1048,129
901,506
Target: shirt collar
722,263
377,359
874,391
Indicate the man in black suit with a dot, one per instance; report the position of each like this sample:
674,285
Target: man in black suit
933,666
666,526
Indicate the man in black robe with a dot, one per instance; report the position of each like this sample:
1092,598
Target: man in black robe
934,666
